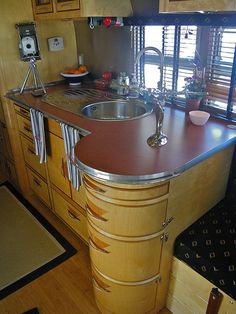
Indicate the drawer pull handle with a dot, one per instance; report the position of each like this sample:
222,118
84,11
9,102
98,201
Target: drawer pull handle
65,5
24,112
95,216
72,214
36,181
98,287
92,187
27,128
30,150
96,247
167,221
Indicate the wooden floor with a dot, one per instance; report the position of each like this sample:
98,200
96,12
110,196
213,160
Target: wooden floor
66,289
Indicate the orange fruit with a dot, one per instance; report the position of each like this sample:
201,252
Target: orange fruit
83,69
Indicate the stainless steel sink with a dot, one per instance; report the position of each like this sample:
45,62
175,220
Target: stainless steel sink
115,110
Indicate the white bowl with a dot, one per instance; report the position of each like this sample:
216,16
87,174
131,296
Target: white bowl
74,79
199,117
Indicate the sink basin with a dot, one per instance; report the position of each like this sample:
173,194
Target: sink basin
115,110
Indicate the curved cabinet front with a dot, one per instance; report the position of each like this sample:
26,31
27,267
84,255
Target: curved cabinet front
125,259
126,226
125,217
122,298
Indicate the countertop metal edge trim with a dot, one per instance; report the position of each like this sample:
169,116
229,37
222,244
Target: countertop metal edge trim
128,179
152,178
27,106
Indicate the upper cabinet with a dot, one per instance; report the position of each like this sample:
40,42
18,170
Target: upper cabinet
196,5
56,9
106,8
48,9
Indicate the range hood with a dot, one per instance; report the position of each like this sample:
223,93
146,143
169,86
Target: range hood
121,8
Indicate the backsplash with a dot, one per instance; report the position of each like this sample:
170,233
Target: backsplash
104,49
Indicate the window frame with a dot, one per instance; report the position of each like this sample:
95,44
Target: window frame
176,101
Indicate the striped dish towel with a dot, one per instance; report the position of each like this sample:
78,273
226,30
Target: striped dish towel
71,137
37,124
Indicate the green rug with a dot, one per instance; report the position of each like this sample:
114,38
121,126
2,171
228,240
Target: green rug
29,245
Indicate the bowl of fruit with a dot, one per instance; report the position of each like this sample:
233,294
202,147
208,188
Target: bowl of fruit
75,76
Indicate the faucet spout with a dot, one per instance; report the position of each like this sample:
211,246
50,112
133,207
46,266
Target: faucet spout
142,52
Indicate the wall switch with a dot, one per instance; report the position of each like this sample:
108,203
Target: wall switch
55,43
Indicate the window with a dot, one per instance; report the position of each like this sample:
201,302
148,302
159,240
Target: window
178,45
216,47
219,69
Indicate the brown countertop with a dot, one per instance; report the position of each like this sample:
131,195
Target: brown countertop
118,151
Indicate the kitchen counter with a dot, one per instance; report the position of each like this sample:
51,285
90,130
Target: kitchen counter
118,151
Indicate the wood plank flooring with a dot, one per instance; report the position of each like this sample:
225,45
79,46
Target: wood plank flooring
66,289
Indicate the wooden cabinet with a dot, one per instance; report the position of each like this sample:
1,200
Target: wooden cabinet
127,255
126,234
196,5
106,8
66,5
42,6
56,9
138,257
123,297
31,159
39,187
72,215
36,172
50,179
56,161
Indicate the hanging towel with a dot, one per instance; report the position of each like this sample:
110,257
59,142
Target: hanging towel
37,124
71,137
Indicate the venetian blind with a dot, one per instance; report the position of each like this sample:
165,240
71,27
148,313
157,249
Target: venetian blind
178,45
219,68
187,50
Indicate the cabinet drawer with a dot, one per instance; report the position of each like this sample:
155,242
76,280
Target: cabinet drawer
149,216
22,111
123,298
30,157
39,186
57,166
24,126
133,192
72,216
53,126
66,5
125,259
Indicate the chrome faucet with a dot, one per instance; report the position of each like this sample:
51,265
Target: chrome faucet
150,48
157,99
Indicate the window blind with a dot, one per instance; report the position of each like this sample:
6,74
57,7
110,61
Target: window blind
219,69
178,45
187,49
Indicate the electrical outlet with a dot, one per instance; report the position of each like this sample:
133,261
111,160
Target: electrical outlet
55,44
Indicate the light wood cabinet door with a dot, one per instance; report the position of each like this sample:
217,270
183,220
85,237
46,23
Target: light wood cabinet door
31,158
196,5
124,298
132,192
42,6
56,159
126,259
70,215
39,187
118,218
24,126
67,5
